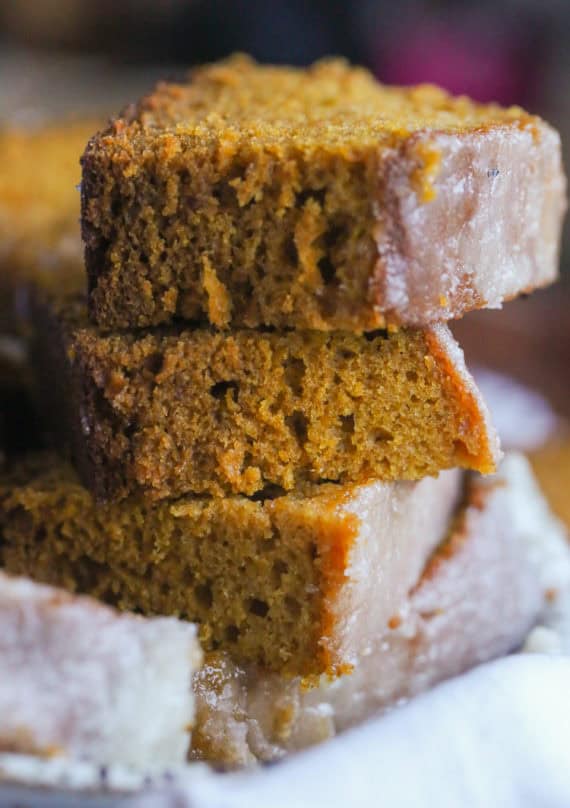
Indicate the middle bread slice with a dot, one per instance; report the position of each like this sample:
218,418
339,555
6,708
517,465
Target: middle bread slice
303,583
169,412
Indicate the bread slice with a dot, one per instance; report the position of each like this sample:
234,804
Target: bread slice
40,238
170,412
252,195
301,583
504,558
80,680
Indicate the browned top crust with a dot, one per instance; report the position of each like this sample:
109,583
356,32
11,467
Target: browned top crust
330,103
318,198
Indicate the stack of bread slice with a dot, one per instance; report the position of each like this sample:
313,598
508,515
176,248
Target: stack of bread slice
265,425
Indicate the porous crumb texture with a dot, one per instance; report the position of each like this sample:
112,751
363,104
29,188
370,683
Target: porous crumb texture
168,413
39,208
258,576
272,196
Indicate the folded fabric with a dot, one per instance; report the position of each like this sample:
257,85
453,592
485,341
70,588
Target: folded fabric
497,736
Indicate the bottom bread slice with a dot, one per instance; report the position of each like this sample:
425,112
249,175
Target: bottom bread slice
78,679
504,557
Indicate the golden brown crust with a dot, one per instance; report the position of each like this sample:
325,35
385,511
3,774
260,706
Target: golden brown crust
469,403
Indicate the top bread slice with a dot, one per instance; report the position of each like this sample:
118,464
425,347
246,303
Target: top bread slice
253,195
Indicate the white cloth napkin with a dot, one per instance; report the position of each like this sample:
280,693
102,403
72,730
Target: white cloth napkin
497,737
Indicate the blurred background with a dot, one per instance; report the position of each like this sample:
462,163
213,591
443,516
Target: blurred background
75,54
512,51
78,56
